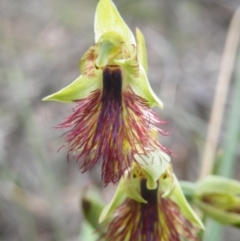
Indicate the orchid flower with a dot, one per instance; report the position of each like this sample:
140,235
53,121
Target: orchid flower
112,121
142,213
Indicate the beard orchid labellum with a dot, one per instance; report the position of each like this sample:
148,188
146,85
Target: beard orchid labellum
112,120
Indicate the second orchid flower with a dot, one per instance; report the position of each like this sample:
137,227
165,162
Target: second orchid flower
142,213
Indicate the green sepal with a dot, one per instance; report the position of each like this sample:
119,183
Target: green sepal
141,50
117,199
141,87
178,197
78,89
133,188
136,77
107,18
166,182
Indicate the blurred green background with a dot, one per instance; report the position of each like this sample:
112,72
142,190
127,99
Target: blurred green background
41,43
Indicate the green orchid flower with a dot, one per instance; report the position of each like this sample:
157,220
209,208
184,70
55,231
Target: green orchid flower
219,198
112,120
139,213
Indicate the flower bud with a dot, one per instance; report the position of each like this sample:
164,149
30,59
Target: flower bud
218,198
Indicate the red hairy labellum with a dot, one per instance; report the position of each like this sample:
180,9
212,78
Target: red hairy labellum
157,220
110,126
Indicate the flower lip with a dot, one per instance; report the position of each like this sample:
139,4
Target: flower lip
157,219
112,85
149,212
147,194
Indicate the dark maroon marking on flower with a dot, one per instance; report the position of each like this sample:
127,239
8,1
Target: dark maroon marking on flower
110,126
112,86
109,135
158,220
149,214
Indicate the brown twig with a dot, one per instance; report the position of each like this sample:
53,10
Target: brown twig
222,87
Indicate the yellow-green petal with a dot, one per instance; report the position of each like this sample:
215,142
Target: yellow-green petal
78,89
132,184
107,18
178,197
166,182
141,50
117,199
154,164
141,87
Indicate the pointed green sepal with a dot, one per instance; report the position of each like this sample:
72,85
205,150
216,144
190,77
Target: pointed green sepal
178,197
107,18
114,203
133,187
141,87
166,182
78,89
141,50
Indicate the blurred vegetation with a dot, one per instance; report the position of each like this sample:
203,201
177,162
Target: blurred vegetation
41,43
